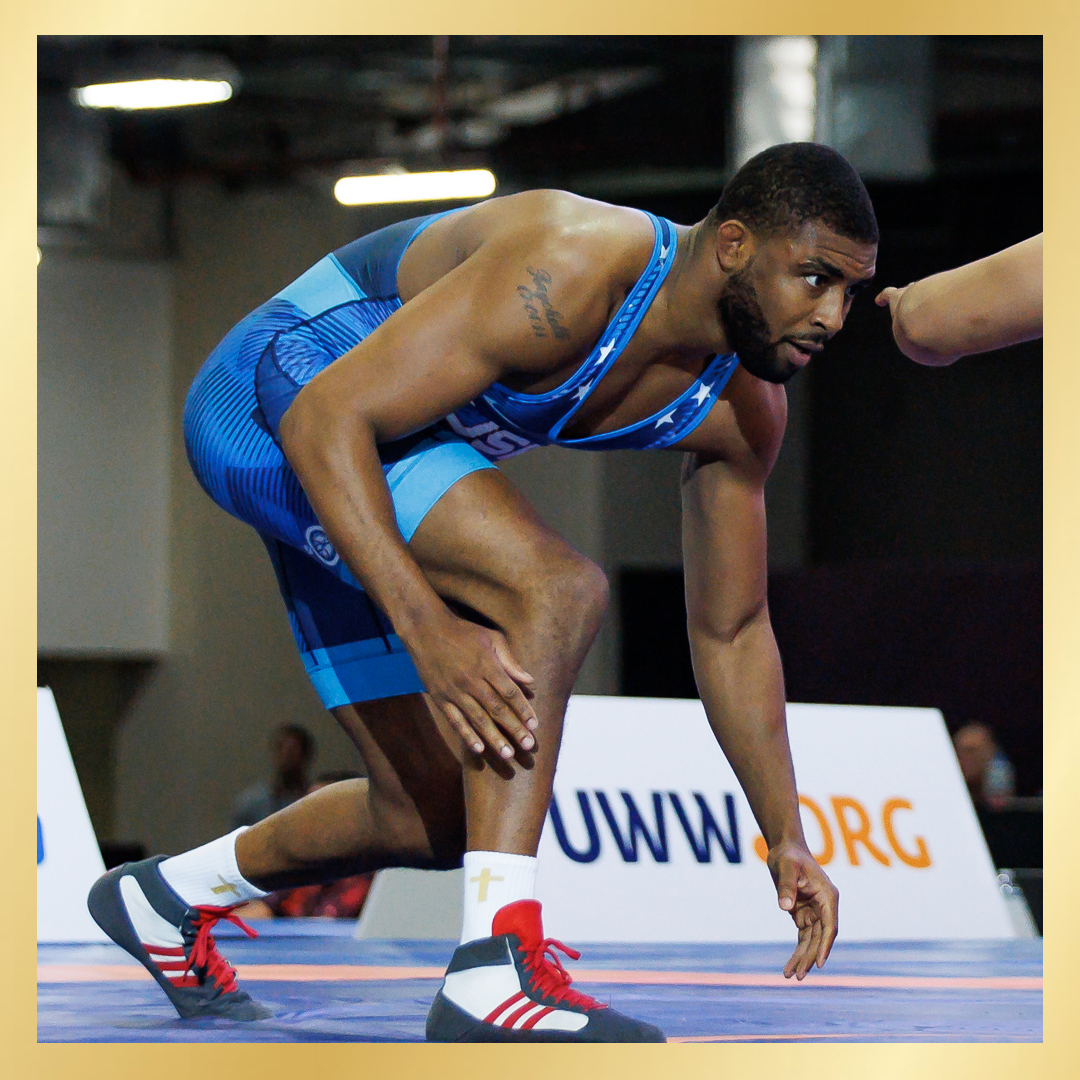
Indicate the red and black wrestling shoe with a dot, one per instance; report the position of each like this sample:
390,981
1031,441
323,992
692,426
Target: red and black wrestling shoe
511,987
138,909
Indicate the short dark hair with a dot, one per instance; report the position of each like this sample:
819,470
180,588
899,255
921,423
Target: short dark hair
784,187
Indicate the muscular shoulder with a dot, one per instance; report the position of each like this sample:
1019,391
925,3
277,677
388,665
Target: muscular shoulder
745,428
601,246
552,265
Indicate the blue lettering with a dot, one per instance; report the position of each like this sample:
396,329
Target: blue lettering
703,849
635,825
40,843
593,850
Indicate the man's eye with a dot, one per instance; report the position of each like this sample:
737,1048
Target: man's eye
816,281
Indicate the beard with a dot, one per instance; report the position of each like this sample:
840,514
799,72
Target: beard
748,332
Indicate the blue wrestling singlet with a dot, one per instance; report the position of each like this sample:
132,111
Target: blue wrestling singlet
238,398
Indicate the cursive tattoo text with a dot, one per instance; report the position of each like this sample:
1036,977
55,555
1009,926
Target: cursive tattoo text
543,318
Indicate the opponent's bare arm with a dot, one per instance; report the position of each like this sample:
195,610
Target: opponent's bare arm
988,304
736,662
440,350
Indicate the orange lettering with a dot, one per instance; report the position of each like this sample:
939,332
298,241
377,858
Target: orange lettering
923,857
827,846
861,835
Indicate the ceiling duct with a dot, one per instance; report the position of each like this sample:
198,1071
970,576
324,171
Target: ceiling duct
491,122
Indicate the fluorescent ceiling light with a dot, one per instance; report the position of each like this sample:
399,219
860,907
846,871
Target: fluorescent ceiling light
153,94
414,187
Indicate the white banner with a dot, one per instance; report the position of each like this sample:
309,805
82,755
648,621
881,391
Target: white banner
650,837
68,858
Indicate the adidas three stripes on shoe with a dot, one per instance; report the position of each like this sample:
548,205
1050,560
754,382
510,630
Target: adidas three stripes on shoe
512,987
138,909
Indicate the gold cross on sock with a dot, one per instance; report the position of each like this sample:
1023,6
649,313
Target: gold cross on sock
485,878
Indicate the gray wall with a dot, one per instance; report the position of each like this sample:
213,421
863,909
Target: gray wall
104,328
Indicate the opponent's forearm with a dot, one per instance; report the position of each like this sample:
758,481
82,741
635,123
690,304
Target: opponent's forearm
742,688
337,461
984,305
933,325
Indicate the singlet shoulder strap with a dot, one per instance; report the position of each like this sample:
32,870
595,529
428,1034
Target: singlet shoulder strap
672,423
551,411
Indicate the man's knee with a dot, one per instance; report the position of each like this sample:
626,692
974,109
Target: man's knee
569,594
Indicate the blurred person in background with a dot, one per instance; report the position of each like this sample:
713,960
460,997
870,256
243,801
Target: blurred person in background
292,753
342,899
984,305
988,773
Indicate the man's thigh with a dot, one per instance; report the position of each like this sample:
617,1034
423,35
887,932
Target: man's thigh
477,540
483,545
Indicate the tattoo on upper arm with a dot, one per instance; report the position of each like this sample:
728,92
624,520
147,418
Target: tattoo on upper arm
543,318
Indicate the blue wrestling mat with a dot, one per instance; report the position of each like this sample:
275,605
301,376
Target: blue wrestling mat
325,987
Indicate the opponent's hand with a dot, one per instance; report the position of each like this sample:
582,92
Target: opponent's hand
890,298
474,680
804,890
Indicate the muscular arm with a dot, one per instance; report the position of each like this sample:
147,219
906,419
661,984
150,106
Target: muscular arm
433,355
984,305
737,664
440,350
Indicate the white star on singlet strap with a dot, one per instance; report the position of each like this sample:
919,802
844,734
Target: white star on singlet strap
606,349
583,391
702,394
666,418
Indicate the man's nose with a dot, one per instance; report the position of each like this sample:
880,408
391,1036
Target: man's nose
830,313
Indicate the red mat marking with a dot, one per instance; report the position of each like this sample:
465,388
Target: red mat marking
76,973
860,1036
849,982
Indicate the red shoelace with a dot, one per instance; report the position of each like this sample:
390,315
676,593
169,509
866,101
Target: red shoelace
204,953
550,978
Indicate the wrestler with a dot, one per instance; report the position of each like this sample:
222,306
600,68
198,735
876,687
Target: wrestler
984,305
354,420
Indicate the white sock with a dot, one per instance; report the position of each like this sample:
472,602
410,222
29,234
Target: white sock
493,879
208,875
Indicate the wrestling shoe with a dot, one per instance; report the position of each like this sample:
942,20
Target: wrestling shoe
137,908
511,987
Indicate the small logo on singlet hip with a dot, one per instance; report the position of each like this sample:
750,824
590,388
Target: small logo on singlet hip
318,544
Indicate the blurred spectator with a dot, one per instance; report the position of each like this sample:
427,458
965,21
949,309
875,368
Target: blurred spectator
293,753
988,773
341,899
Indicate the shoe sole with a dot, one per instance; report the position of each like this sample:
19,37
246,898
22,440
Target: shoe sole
446,1023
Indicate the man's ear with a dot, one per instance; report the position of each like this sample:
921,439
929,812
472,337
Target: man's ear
734,246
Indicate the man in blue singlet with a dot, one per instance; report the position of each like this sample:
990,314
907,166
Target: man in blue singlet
353,420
